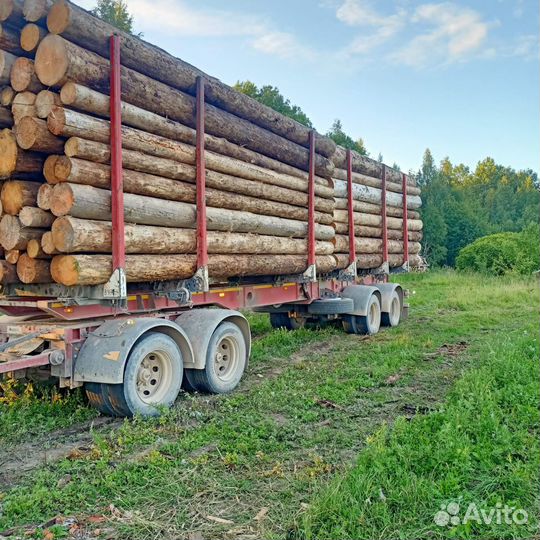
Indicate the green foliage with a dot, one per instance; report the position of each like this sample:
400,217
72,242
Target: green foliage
460,205
337,134
503,253
115,12
271,97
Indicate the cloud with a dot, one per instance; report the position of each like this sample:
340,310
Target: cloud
283,45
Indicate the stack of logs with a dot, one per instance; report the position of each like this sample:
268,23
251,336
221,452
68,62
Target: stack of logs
55,165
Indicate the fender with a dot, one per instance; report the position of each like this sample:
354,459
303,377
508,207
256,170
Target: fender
386,290
360,295
103,355
199,325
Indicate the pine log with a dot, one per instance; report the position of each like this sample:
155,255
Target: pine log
361,231
32,134
36,10
31,35
74,124
8,273
71,235
371,208
44,196
35,251
363,179
9,41
18,193
77,25
48,171
58,60
11,11
12,255
23,105
33,270
6,96
92,203
79,97
374,195
96,269
30,216
13,235
229,192
6,118
372,220
45,101
23,76
372,245
7,60
47,244
371,261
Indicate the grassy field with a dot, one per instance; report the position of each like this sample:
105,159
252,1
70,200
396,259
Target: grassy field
329,435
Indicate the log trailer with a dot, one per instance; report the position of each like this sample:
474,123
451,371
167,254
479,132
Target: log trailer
133,346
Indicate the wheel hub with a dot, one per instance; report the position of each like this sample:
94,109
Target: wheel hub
226,358
153,377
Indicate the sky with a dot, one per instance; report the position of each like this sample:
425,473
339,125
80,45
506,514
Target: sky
458,77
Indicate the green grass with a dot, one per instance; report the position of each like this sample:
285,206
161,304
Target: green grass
300,419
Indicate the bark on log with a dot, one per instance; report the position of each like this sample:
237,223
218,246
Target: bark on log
13,235
36,10
23,105
32,134
58,60
7,60
6,118
77,25
371,261
373,245
12,255
47,244
371,208
44,196
18,193
341,216
71,235
92,203
33,270
35,251
23,76
8,273
30,216
31,35
74,124
96,269
6,96
374,195
230,192
45,101
79,97
361,231
363,179
9,41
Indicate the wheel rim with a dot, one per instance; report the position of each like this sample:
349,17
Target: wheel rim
395,310
226,358
154,377
373,312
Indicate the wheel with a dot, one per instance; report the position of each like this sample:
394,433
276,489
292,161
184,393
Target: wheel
152,378
367,325
226,360
392,317
284,320
98,399
331,306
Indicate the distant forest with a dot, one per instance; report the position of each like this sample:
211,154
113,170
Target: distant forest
459,204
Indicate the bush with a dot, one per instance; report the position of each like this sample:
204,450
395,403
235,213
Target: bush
503,253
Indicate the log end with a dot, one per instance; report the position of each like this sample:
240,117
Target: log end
59,17
8,273
9,231
63,234
45,101
30,36
8,153
44,197
48,170
33,270
68,93
51,61
6,96
56,120
21,74
6,9
62,199
34,10
33,248
65,270
26,132
47,244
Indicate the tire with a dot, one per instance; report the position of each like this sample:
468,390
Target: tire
331,306
364,325
152,378
283,320
226,360
98,398
392,317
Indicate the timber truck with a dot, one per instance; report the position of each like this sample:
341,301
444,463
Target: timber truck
132,346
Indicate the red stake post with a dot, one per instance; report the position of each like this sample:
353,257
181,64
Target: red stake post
405,220
117,189
350,208
383,216
311,200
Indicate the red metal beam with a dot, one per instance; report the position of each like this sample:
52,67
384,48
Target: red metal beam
311,200
117,189
383,215
350,208
24,362
202,246
405,220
